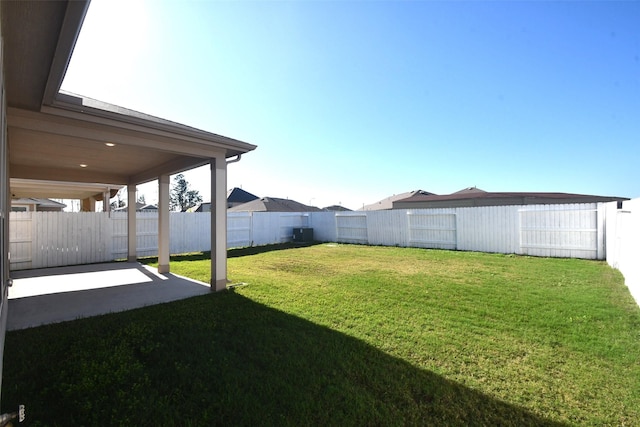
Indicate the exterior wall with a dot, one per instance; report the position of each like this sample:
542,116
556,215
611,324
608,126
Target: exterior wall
17,207
46,209
5,204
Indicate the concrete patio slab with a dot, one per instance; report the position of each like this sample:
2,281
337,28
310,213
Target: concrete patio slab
52,295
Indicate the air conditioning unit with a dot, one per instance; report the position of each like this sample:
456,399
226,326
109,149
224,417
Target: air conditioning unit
303,235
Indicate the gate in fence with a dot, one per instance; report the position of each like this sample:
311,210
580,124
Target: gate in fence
427,230
572,233
352,228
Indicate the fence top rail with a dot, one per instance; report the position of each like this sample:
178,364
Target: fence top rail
555,210
431,214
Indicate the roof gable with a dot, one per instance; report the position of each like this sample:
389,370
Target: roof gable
273,204
238,195
470,190
388,202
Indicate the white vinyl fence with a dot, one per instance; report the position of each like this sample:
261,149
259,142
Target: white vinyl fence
570,230
48,239
623,242
42,239
51,239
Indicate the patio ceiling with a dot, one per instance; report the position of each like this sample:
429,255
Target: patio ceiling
67,138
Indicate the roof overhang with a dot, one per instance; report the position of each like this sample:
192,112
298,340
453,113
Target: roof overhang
66,138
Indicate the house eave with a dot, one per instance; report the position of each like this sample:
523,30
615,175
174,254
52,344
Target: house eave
90,110
69,32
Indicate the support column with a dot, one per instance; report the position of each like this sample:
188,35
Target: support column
218,224
106,196
88,204
132,240
163,224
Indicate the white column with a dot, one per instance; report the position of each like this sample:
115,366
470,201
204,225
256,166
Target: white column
132,242
218,224
88,204
163,224
106,207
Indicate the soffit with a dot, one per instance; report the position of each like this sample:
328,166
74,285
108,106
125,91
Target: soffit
46,146
38,39
34,149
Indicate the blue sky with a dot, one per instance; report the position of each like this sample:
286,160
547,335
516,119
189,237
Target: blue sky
350,102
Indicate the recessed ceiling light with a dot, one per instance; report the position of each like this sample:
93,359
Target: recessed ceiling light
82,165
109,144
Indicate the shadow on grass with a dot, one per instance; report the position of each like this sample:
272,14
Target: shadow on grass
222,359
232,253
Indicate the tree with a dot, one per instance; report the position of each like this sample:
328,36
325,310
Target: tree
182,197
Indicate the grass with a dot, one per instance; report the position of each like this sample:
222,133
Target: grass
348,335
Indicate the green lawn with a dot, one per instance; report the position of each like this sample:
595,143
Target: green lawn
348,335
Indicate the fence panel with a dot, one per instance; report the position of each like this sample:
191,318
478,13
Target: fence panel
352,228
289,221
324,226
488,229
266,228
432,229
570,231
239,229
147,233
189,232
623,242
119,236
20,239
387,228
62,238
618,225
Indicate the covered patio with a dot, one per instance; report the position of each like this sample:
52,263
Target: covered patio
64,145
52,295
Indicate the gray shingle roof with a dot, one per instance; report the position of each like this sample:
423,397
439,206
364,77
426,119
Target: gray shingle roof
273,204
238,195
388,202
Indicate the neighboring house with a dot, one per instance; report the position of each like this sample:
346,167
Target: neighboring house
30,204
140,207
388,202
273,204
148,208
236,196
336,208
473,196
201,207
